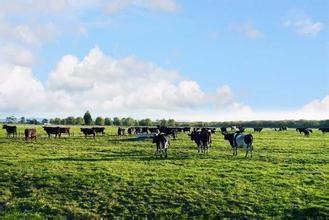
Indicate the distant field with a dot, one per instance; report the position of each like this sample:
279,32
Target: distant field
74,177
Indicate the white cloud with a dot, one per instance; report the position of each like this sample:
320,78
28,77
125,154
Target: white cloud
114,6
247,29
317,107
108,86
303,24
16,54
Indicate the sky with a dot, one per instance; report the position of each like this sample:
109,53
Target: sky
210,60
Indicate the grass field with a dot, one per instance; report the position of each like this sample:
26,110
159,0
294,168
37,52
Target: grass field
111,176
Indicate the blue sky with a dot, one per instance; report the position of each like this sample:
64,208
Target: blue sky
273,56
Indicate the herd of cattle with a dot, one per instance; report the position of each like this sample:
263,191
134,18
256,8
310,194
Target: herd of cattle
160,135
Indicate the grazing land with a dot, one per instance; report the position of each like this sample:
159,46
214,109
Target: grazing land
112,176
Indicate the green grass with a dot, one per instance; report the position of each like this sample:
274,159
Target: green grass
119,177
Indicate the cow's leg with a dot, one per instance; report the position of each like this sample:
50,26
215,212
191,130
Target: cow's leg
247,150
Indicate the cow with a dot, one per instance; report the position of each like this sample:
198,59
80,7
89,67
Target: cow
121,131
306,131
168,131
53,130
30,133
154,130
324,130
283,128
202,139
162,142
238,140
131,130
258,129
65,130
223,129
240,130
88,131
187,129
99,130
11,130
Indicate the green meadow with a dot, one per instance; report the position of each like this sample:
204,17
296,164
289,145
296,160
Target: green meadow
110,176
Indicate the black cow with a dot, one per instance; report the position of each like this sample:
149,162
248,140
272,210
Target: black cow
88,131
223,129
306,131
121,131
161,141
99,130
324,130
11,130
238,140
30,133
202,139
187,129
53,130
283,128
258,129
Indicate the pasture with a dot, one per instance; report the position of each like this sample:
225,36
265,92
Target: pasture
112,176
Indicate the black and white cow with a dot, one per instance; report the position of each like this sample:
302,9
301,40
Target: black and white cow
324,130
161,142
202,139
238,140
306,131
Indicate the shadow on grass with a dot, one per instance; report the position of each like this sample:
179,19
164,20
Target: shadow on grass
307,213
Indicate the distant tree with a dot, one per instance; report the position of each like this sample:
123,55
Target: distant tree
117,121
11,119
171,122
22,120
163,122
69,120
108,121
145,122
87,118
32,121
44,121
57,121
99,121
128,121
78,121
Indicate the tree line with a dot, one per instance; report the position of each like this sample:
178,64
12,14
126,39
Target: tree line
116,121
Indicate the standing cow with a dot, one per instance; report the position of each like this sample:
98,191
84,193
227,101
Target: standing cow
238,140
161,141
10,129
202,139
30,133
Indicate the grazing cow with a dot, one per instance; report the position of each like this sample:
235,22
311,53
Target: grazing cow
202,139
258,129
238,140
161,141
30,133
11,130
88,131
99,130
168,131
53,130
283,128
306,131
324,130
223,129
121,131
65,130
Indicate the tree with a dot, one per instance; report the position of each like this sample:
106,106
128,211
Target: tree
78,121
56,121
44,121
69,120
145,122
128,121
11,119
87,118
99,121
171,122
22,120
108,121
117,121
163,122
